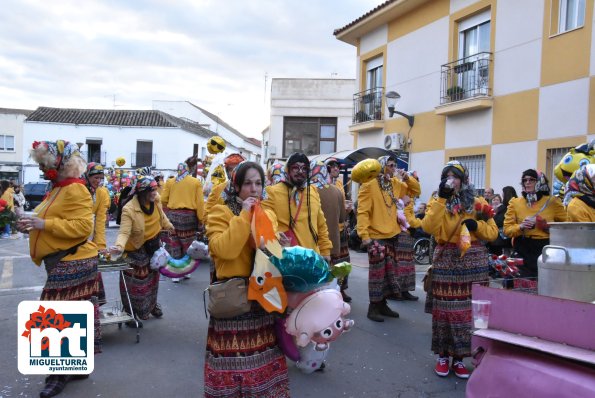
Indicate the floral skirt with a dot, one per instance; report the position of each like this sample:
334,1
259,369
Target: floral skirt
185,223
382,271
142,283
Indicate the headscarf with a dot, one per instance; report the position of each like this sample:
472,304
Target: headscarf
463,200
230,194
144,171
233,160
51,156
145,183
541,186
582,185
186,168
328,163
277,173
319,176
93,169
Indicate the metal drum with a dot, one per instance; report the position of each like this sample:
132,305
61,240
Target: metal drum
566,267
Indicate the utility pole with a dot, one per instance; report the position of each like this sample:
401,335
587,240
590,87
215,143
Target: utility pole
264,100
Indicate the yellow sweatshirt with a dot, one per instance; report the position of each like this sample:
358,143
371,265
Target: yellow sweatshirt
186,194
230,241
579,211
517,211
68,215
376,220
444,225
8,196
277,202
413,221
136,227
214,198
100,207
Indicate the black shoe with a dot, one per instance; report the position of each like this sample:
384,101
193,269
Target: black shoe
157,311
408,296
374,312
386,311
346,298
395,296
54,385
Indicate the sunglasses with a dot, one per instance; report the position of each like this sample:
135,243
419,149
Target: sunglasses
529,179
391,165
218,145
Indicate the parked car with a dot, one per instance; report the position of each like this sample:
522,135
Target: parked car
34,193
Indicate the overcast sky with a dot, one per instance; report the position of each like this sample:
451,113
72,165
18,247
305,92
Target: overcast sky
213,53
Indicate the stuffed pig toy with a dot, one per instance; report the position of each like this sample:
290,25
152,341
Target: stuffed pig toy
319,318
198,251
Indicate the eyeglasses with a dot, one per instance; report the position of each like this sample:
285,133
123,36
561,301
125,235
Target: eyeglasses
529,179
298,168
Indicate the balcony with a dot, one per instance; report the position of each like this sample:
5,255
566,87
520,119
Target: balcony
465,85
94,156
142,159
367,110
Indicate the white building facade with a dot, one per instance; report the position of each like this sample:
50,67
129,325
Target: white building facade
11,143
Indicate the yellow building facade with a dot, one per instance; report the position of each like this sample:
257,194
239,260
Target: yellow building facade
502,85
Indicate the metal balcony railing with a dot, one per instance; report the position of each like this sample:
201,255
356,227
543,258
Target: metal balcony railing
367,105
94,156
467,77
142,159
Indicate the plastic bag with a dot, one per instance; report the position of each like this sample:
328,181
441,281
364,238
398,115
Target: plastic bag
464,242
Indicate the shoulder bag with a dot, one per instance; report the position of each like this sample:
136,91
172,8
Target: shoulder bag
227,298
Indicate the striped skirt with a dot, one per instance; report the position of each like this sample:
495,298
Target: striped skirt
185,223
243,359
142,283
342,256
382,271
405,267
450,296
75,280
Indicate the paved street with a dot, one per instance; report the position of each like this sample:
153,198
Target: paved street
390,359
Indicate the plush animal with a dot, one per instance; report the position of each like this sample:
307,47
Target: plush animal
198,251
573,160
365,171
319,318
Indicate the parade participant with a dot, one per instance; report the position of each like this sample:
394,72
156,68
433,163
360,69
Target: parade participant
378,227
453,273
343,251
183,197
243,358
101,202
333,208
298,209
580,194
58,237
19,200
8,196
141,221
276,173
230,162
526,219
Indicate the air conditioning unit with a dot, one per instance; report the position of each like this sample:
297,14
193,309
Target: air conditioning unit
394,141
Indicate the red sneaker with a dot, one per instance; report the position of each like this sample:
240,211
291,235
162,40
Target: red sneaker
442,367
460,370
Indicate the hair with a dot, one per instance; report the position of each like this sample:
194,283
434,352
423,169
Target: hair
73,168
124,198
5,184
241,174
143,196
497,195
508,193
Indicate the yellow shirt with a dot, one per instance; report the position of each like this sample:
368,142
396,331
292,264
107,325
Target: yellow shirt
579,211
214,198
68,215
413,221
517,211
444,225
186,194
100,207
277,202
376,220
8,196
136,227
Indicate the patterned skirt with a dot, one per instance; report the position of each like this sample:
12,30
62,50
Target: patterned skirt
450,296
75,280
186,227
342,256
142,283
405,267
243,359
382,271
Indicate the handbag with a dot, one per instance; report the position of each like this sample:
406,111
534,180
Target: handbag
227,298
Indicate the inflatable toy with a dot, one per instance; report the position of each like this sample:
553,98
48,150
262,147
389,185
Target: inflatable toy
365,171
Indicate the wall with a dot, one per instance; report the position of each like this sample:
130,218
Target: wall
12,124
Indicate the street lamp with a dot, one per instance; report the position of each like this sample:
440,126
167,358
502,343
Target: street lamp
391,100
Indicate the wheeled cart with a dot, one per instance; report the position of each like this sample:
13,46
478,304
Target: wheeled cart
112,311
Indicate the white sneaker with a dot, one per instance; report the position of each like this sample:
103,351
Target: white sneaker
187,276
175,280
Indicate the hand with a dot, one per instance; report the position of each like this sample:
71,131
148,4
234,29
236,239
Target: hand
471,224
366,243
115,252
444,191
528,223
348,205
26,224
402,174
283,239
248,203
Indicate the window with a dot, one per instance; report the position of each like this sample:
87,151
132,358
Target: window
476,166
571,14
474,44
310,135
553,157
144,153
6,142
